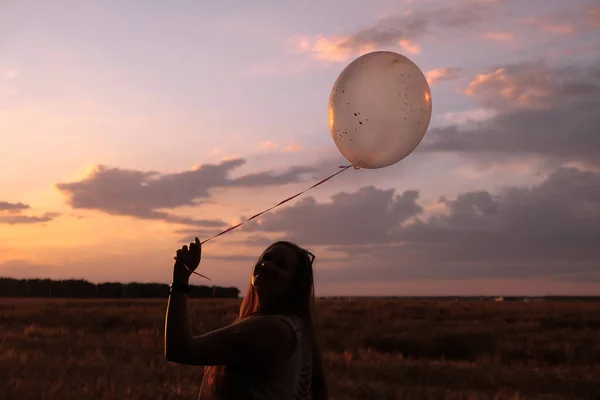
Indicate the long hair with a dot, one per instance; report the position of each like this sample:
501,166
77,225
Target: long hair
300,301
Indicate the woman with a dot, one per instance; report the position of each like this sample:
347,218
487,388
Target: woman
270,351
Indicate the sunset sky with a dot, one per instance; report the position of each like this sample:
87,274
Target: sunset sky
126,130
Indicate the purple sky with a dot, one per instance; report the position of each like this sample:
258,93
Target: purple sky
126,131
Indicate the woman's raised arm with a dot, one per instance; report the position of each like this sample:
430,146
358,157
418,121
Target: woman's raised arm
264,339
261,338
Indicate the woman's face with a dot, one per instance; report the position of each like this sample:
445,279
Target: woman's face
273,274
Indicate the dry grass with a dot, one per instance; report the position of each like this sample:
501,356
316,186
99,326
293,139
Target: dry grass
374,349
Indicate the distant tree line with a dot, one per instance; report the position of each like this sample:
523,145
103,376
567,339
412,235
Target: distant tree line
10,287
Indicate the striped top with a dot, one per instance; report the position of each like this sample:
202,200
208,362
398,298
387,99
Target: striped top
288,381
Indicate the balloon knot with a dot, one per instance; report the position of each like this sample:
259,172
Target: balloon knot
357,167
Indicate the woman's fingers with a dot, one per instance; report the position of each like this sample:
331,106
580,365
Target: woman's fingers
185,252
196,247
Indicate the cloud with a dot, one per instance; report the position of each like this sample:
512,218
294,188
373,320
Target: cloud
552,228
409,46
499,36
255,240
526,85
11,214
442,74
188,234
258,240
516,169
292,175
537,110
26,219
270,145
361,217
144,194
580,49
552,25
593,16
292,148
13,207
193,232
569,21
469,116
402,30
249,259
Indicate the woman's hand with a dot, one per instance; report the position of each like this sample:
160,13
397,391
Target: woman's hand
186,261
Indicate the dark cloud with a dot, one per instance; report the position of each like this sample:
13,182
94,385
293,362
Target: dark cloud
26,219
257,241
541,111
197,231
13,207
14,214
188,235
535,85
366,216
416,24
292,175
549,229
142,194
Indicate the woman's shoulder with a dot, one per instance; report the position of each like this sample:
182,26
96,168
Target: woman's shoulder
292,320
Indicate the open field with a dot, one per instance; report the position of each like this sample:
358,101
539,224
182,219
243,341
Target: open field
374,349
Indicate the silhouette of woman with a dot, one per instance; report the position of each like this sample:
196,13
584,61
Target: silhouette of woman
270,351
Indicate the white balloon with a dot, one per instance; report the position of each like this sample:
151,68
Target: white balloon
379,109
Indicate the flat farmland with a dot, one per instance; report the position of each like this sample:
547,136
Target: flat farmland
373,349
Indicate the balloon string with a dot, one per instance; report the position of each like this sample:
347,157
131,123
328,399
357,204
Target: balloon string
343,168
